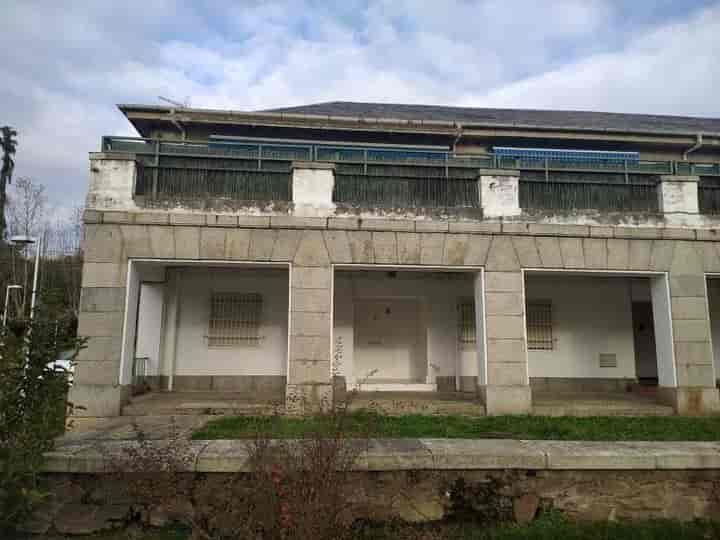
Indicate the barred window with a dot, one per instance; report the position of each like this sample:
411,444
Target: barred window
539,325
234,319
466,322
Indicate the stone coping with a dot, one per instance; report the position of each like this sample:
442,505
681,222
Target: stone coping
515,227
222,456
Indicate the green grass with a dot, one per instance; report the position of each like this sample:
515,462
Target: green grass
597,428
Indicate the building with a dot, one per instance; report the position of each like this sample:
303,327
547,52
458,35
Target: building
510,253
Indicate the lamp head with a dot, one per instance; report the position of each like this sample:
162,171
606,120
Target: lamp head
22,240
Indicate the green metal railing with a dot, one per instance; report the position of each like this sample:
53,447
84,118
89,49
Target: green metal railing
245,169
709,195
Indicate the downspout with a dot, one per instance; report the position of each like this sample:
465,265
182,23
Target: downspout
698,144
457,136
177,124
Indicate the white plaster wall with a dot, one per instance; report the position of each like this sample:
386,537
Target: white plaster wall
112,182
149,325
591,315
713,286
436,300
500,196
679,196
312,192
194,357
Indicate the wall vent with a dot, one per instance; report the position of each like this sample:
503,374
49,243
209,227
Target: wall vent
608,360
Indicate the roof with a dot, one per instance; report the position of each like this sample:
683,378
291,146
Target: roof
586,120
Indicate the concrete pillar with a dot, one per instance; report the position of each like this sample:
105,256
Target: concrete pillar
112,181
696,391
312,189
507,385
500,193
309,376
679,194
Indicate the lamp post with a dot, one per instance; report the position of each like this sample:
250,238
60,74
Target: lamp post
24,240
7,300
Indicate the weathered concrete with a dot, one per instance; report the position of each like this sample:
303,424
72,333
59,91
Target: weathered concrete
499,194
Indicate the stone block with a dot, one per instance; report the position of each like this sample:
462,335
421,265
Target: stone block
294,222
505,327
710,235
212,243
648,233
92,216
711,261
516,228
310,324
689,307
571,251
396,225
503,282
694,353
311,277
100,324
385,247
432,247
691,330
97,400
662,254
192,383
308,398
311,250
116,217
311,348
601,232
455,248
408,248
693,375
361,246
102,299
347,224
500,374
91,372
237,244
474,227
104,274
102,243
262,242
286,245
162,242
254,222
309,371
187,219
640,254
152,218
101,349
546,229
477,250
618,254
504,303
338,246
676,233
221,220
428,225
501,400
506,351
502,256
687,285
686,259
696,401
187,242
549,251
136,241
527,252
596,252
311,300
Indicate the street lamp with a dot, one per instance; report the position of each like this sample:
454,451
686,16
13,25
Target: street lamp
24,240
7,299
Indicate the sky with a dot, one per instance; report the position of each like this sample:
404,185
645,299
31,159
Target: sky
64,65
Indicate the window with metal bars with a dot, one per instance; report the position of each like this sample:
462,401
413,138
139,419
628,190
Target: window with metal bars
539,325
466,322
234,319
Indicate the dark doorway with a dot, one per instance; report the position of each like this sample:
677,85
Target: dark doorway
644,341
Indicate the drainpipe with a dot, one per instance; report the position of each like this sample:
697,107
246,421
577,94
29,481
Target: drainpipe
177,124
698,144
457,136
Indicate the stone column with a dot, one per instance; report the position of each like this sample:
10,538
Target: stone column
312,189
309,382
679,194
102,303
507,386
500,193
696,391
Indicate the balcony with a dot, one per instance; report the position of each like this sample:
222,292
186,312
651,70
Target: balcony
394,177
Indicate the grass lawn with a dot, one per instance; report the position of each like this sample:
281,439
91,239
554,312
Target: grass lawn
361,423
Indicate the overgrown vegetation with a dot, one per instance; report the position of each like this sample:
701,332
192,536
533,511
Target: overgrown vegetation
599,428
33,406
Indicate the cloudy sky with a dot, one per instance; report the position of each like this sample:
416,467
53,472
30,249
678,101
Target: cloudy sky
64,65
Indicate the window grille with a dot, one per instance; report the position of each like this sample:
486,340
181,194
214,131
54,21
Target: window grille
234,319
466,322
539,325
